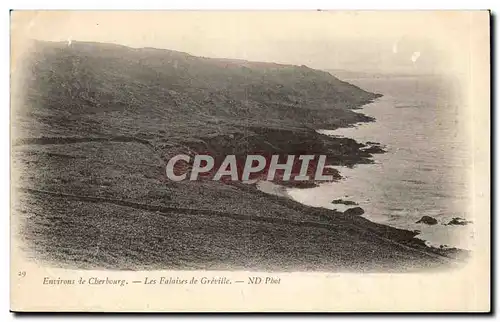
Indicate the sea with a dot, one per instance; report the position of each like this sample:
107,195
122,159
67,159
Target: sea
426,171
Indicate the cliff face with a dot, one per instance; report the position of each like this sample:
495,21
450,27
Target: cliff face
185,104
95,80
94,124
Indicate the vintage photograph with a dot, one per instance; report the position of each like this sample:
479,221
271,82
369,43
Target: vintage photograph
316,141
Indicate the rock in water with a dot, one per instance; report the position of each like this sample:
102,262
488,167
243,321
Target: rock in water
344,202
428,220
356,211
458,221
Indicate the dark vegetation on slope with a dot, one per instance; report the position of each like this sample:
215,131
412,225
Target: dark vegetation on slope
94,124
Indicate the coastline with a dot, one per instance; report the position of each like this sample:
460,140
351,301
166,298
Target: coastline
100,152
344,206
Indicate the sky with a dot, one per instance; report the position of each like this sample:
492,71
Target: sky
391,42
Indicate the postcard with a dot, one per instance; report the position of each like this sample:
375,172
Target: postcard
250,161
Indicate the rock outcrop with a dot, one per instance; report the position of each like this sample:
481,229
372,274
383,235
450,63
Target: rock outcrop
458,221
356,211
428,220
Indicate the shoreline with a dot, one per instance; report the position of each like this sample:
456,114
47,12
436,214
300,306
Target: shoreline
276,189
100,152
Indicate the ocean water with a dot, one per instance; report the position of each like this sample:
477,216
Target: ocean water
426,170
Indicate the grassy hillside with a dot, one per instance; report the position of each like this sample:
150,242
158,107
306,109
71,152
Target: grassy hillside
153,89
92,129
